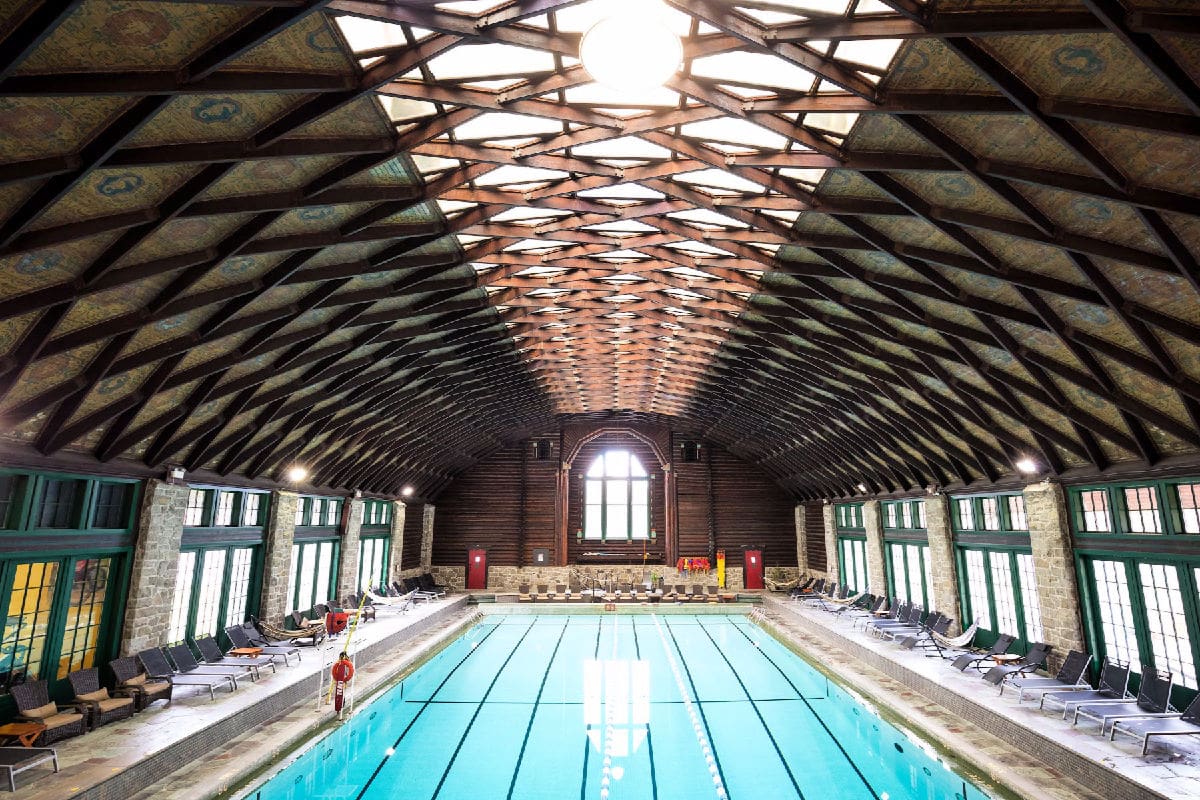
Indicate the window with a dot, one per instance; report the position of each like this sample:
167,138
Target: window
81,637
1096,518
915,559
301,509
28,622
372,561
311,577
991,513
112,505
9,491
1116,612
250,509
906,515
182,599
1029,597
920,506
966,514
1141,503
331,512
1166,621
977,590
239,585
58,503
224,515
848,515
193,515
853,564
208,599
1189,506
889,518
616,498
1002,594
899,573
1017,520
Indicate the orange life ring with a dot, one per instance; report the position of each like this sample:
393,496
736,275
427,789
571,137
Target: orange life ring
342,670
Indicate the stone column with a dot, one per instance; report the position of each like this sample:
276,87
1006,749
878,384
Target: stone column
831,551
155,564
427,537
1054,568
876,571
398,513
348,566
277,557
801,540
944,592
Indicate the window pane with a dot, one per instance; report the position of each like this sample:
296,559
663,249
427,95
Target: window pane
239,586
991,513
1165,621
636,469
639,492
331,512
1016,513
617,523
639,521
112,509
593,492
308,569
860,566
617,493
82,631
966,515
250,509
224,508
906,515
1029,598
920,513
616,464
927,563
182,600
889,515
28,621
209,597
1096,518
977,589
293,579
593,522
1002,594
57,508
899,573
324,568
366,551
1142,504
915,591
1116,615
1189,506
194,515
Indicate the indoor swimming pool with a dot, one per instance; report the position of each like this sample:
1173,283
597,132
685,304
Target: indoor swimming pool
653,707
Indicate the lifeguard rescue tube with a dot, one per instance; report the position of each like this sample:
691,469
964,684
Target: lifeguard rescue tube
342,670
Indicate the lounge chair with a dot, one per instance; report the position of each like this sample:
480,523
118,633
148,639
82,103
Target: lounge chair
1114,685
968,660
105,708
157,666
1187,724
131,676
924,637
34,705
912,629
543,592
894,611
680,595
563,592
908,622
523,595
813,587
1070,676
780,586
186,663
868,607
697,595
1153,699
413,587
19,759
1033,660
954,646
366,609
428,584
241,636
315,632
211,655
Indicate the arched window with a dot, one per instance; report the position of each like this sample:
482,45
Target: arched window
616,498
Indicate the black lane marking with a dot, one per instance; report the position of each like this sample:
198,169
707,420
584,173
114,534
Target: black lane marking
816,716
712,744
425,705
533,714
482,702
782,760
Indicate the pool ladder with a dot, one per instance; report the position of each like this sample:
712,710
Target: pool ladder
757,614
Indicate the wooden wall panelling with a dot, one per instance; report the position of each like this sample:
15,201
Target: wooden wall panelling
814,530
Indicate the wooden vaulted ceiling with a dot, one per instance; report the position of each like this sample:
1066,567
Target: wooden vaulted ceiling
859,243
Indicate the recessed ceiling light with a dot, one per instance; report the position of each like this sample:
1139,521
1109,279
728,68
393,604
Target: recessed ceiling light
297,473
1027,465
631,49
407,491
862,487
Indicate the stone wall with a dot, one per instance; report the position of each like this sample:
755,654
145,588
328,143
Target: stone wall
509,579
876,571
831,548
801,539
155,564
944,595
277,556
347,582
427,536
397,547
1054,567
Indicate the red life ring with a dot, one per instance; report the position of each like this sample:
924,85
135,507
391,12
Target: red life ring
342,670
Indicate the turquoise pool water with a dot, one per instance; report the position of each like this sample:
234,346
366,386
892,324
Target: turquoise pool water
652,707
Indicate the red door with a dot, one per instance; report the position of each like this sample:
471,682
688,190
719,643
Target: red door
477,569
753,574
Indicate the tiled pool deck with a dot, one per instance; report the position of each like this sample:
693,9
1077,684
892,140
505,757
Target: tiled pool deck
198,748
1014,744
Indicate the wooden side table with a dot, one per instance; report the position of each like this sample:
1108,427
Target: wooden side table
249,652
24,732
1006,658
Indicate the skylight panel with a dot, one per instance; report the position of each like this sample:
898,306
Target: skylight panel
402,109
766,17
430,164
622,298
596,94
514,174
820,7
497,125
449,207
525,213
623,191
698,249
578,18
485,60
808,176
622,147
721,180
689,274
789,217
481,267
622,227
370,34
532,245
466,239
633,255
706,217
875,53
836,122
540,272
754,68
736,131
682,294
470,6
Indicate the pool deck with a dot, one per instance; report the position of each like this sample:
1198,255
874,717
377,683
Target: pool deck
1034,753
198,748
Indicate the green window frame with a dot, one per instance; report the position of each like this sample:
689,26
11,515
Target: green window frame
848,517
313,574
903,515
1144,608
314,511
997,585
374,553
215,586
1136,508
616,498
224,507
377,514
992,513
910,572
852,562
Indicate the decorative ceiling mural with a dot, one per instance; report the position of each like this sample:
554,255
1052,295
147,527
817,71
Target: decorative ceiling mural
868,246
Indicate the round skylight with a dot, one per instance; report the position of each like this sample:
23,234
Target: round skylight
630,52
